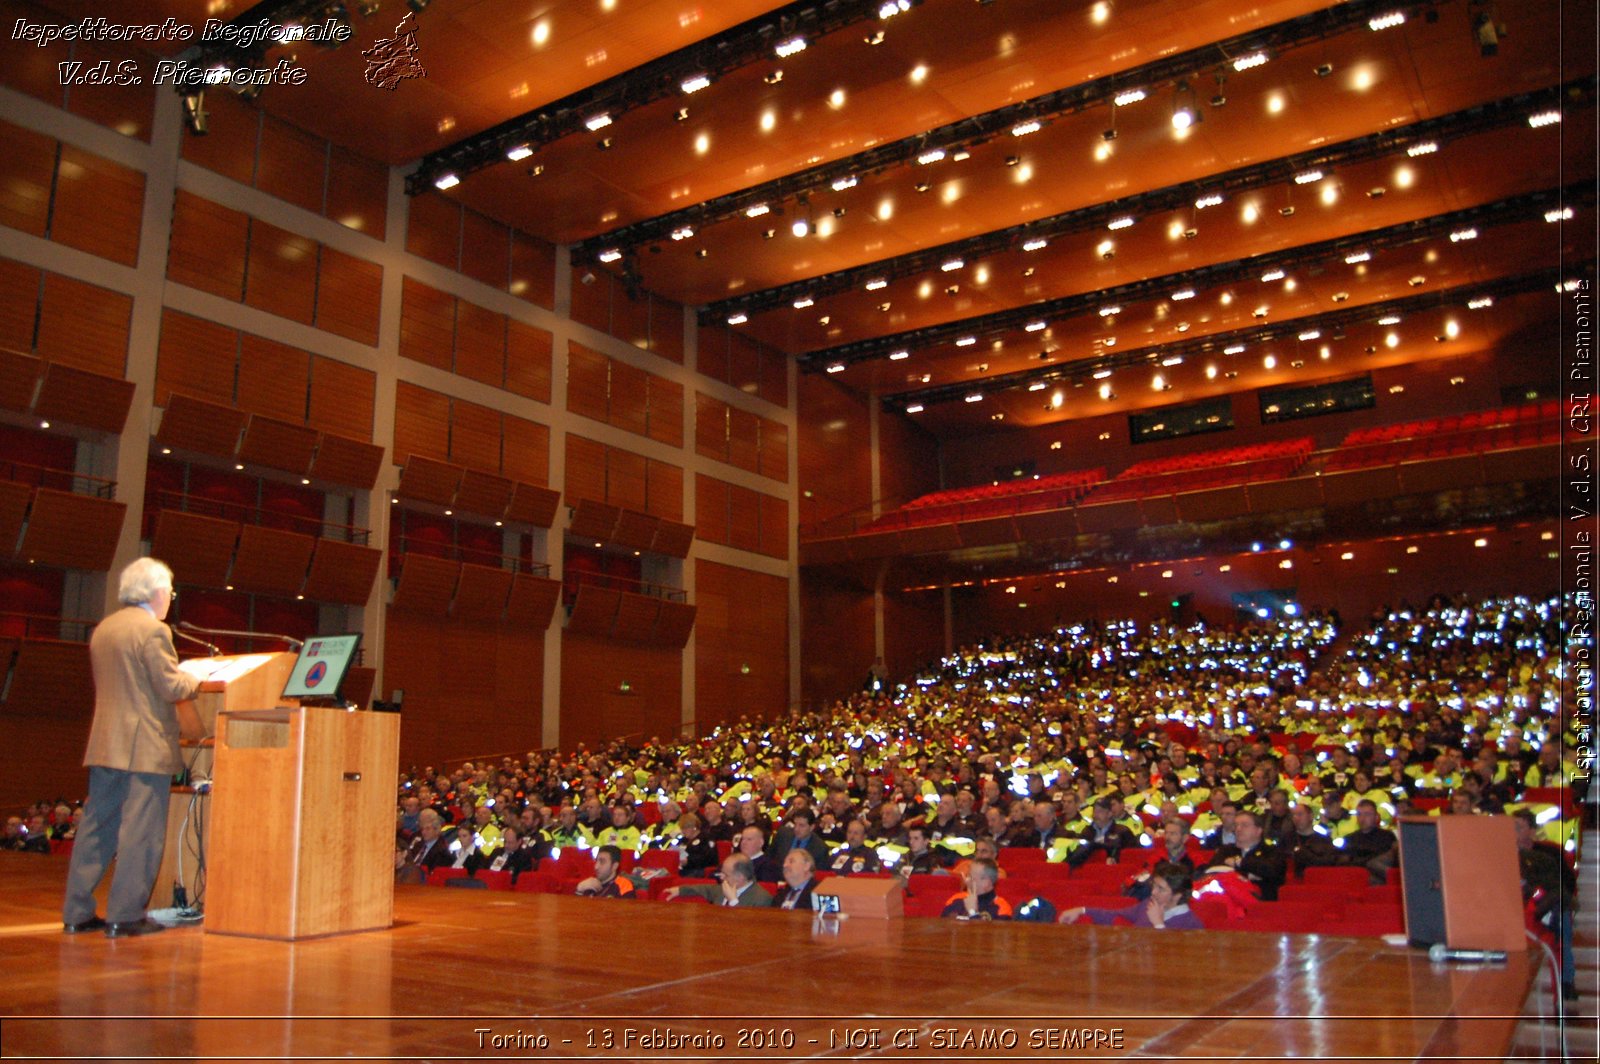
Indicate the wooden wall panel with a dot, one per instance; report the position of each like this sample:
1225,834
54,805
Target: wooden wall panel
744,439
195,357
273,378
625,479
343,398
741,645
19,301
127,109
348,294
629,406
588,382
774,377
421,423
666,329
710,427
427,324
358,192
527,360
207,249
27,167
292,164
474,436
80,397
500,711
98,206
281,272
711,351
533,270
835,451
480,351
433,228
586,470
663,490
744,518
774,535
711,508
772,455
83,325
630,318
525,452
19,378
591,303
230,148
485,249
593,706
744,364
666,411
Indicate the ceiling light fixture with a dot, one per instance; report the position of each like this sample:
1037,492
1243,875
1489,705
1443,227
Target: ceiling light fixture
1249,62
975,397
1356,257
932,156
899,356
757,210
1427,147
1463,234
1124,222
683,232
738,319
876,283
1560,215
1040,242
1182,294
610,255
1123,99
784,49
1272,275
446,181
803,302
694,84
1024,128
1213,200
966,341
1305,177
914,408
597,122
837,367
842,183
1387,21
1544,118
518,153
950,265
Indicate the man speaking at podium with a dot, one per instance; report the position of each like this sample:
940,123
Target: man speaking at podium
132,754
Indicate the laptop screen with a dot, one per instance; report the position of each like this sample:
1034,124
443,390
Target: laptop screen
320,669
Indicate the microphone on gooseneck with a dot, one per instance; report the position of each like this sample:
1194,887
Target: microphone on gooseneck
1439,953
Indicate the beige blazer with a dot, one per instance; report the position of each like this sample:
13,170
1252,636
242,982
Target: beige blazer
136,682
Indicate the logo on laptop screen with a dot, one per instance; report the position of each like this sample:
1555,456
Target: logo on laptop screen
316,673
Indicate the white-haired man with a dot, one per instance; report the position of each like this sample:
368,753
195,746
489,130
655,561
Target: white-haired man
132,754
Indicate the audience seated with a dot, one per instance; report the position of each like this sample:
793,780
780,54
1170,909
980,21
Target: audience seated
1180,740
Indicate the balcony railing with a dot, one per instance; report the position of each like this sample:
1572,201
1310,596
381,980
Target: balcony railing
254,515
58,479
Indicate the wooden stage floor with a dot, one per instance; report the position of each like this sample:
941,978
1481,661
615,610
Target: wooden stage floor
632,980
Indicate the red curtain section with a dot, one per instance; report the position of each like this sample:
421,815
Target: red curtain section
586,563
35,449
233,610
444,537
25,589
480,544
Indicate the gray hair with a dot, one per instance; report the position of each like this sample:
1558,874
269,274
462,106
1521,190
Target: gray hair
141,580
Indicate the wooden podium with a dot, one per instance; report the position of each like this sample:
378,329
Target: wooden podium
237,681
302,822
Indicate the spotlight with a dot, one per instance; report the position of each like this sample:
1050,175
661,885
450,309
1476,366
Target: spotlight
784,49
610,255
605,144
597,122
442,182
1323,70
196,119
519,152
1013,160
682,115
1110,134
800,227
773,77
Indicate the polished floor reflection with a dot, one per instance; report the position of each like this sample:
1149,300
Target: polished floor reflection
466,974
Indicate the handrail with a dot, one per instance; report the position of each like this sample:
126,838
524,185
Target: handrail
186,502
48,477
573,581
455,552
31,623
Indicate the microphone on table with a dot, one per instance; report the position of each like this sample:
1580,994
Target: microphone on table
1439,952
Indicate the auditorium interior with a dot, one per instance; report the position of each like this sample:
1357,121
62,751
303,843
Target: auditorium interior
684,399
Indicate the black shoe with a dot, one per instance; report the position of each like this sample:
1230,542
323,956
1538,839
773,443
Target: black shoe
94,923
133,927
